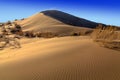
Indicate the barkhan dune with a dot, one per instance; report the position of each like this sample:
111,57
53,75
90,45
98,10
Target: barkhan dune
65,58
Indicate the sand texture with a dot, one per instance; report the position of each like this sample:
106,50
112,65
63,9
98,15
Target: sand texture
66,58
43,23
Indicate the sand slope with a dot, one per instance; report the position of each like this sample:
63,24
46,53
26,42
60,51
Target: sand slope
66,58
69,19
42,23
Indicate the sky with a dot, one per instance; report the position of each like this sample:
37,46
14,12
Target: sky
102,11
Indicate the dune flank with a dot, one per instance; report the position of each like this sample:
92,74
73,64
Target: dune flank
44,23
66,58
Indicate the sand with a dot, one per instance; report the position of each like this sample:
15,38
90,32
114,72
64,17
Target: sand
65,58
42,23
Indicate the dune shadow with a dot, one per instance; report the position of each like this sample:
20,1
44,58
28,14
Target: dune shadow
69,19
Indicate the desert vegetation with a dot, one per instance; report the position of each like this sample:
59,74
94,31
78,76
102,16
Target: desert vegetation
9,35
82,33
108,36
34,34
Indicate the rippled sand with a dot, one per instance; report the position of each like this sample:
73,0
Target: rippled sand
66,58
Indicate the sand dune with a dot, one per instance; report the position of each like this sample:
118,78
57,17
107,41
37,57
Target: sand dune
66,58
70,19
43,23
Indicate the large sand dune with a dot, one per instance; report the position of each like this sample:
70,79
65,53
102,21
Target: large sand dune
41,22
66,58
69,19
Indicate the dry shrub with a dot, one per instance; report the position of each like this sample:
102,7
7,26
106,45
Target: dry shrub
82,33
16,20
32,34
29,34
88,32
22,19
48,35
75,34
38,34
8,23
109,36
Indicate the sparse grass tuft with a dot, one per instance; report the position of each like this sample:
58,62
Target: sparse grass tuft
109,36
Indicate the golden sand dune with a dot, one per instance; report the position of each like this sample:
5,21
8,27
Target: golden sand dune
43,23
66,58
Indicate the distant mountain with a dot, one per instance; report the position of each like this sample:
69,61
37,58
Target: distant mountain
69,19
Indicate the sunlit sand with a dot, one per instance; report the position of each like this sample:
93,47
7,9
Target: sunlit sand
66,58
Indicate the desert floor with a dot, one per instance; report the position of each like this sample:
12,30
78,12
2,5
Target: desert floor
65,58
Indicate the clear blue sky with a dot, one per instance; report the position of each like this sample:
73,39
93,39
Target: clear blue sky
103,11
